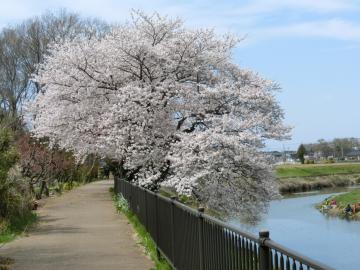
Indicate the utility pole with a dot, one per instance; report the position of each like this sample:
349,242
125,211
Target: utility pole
284,154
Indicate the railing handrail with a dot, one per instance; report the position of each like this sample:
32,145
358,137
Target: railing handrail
300,257
249,236
269,243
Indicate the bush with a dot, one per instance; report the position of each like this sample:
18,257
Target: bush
14,190
51,168
17,226
328,161
8,154
121,204
16,198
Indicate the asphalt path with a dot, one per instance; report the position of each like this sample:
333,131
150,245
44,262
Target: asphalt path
79,230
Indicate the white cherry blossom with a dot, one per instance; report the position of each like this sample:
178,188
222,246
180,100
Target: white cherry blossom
169,104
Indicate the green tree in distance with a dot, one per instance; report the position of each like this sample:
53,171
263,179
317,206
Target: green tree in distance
301,152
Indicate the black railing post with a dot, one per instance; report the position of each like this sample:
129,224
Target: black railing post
264,251
201,237
173,198
157,225
131,197
116,191
146,212
120,184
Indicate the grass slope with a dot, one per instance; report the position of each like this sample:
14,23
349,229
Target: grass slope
144,237
348,198
342,200
311,170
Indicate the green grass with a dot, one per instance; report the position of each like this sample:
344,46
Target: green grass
342,200
348,198
9,230
311,170
144,237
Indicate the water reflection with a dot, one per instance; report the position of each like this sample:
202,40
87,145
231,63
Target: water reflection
295,223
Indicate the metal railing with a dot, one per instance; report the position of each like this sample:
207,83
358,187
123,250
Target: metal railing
192,240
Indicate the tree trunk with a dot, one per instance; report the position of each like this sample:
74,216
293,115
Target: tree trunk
88,174
44,187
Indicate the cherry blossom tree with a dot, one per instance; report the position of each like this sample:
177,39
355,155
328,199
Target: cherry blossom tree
169,105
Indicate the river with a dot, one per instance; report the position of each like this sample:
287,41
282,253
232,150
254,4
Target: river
295,223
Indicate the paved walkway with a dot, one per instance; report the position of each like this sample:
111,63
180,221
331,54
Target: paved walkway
79,230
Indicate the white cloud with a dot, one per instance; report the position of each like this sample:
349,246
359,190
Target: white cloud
269,6
243,17
335,29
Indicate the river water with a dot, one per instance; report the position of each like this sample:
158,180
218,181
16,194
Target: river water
295,223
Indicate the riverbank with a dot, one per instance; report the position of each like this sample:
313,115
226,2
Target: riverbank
311,170
301,184
336,205
299,178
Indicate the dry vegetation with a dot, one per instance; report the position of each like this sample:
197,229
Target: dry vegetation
297,178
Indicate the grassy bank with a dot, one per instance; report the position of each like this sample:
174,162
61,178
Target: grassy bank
297,178
348,198
143,236
9,230
342,200
312,170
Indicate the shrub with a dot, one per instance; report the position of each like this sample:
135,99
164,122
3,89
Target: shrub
50,167
16,198
14,190
309,161
328,161
122,204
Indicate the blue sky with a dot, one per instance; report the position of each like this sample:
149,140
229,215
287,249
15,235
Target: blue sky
310,47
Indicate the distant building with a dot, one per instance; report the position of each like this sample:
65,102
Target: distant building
282,157
353,155
310,156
